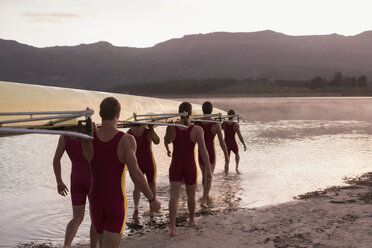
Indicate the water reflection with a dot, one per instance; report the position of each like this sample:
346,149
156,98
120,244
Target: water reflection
229,191
284,158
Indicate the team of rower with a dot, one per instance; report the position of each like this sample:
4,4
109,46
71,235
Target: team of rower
111,152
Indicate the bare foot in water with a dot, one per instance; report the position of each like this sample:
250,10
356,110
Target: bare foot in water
152,214
135,217
204,205
192,223
203,202
237,171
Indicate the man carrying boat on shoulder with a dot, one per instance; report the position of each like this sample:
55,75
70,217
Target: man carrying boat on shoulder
110,152
183,166
230,127
210,131
146,162
80,181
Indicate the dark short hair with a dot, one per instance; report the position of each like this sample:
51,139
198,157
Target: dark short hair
207,107
185,107
108,108
231,112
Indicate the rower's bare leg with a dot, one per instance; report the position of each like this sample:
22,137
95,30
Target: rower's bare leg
73,225
190,191
153,189
175,188
136,199
213,166
227,166
111,239
207,183
93,237
100,239
237,159
202,168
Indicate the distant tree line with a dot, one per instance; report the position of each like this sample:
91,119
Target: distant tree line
245,86
338,80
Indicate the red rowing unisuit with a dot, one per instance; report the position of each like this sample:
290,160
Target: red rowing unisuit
108,201
230,138
80,173
183,166
209,141
145,157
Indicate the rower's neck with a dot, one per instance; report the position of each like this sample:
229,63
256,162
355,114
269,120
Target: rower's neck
109,124
182,121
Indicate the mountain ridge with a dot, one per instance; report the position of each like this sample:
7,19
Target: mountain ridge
261,54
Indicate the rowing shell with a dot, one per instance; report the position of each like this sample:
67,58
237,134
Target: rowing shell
12,131
148,123
207,121
232,116
60,116
231,121
54,117
206,115
157,117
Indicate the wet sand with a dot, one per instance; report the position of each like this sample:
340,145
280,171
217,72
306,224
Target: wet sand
335,217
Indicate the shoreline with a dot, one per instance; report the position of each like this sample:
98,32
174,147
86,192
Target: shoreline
338,216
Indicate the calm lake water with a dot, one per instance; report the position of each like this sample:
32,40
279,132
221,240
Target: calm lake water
295,145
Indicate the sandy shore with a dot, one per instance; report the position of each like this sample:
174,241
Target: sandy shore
335,217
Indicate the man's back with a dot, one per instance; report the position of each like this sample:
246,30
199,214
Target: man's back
106,167
107,193
75,153
110,153
144,146
183,144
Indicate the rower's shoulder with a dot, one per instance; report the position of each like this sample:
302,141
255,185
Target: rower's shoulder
216,127
197,129
170,129
127,139
236,126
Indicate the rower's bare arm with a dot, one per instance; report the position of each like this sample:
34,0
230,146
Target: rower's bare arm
237,127
127,155
168,138
222,143
170,135
127,148
203,150
61,187
169,153
152,136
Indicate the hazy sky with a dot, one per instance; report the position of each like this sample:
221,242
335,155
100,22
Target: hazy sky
144,23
